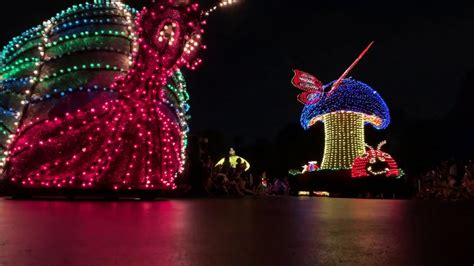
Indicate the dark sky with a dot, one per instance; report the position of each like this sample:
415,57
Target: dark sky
422,52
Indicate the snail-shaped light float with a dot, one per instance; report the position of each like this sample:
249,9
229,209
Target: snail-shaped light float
345,106
94,96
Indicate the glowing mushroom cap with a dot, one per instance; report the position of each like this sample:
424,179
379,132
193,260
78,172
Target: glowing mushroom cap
351,96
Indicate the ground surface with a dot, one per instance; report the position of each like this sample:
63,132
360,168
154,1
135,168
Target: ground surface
251,231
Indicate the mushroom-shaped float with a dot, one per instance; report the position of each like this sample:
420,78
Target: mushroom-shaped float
345,106
375,163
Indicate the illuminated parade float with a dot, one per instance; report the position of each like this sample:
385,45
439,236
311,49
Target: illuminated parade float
94,98
345,106
234,160
375,163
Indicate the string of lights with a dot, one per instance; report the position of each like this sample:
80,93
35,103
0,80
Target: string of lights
375,163
344,114
345,106
110,78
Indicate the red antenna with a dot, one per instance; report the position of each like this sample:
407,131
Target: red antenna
344,75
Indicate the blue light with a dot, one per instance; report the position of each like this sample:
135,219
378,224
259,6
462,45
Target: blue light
352,96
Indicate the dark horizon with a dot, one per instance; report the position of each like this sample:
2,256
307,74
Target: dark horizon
422,64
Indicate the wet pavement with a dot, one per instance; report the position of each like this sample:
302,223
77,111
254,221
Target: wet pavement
251,231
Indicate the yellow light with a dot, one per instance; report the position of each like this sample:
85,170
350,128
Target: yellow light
344,139
303,193
233,162
322,193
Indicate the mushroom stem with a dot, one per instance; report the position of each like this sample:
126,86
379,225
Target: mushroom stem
344,139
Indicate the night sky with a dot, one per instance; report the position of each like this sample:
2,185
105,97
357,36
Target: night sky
422,62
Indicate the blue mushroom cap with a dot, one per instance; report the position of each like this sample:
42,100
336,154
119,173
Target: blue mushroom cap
351,96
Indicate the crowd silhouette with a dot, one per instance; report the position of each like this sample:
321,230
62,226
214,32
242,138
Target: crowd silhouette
229,177
450,180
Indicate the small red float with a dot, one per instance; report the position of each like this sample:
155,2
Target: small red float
375,163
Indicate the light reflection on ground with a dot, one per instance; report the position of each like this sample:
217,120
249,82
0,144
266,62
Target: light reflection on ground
250,231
